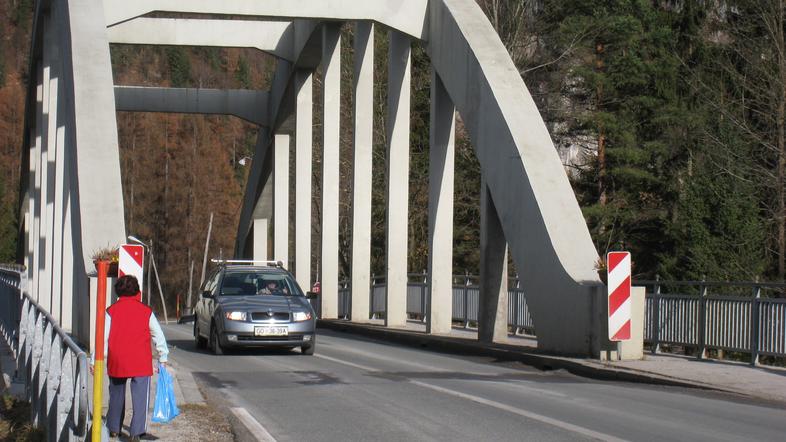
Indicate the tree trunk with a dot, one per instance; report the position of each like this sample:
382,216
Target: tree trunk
602,197
780,216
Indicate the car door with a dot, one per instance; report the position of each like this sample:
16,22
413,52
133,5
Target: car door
205,306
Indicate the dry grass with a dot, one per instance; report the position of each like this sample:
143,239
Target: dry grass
15,422
195,423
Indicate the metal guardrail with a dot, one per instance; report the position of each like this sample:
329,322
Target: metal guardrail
53,366
715,316
466,299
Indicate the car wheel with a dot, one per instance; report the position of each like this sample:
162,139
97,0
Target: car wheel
199,340
215,344
308,350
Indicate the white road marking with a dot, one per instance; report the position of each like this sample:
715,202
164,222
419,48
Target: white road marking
494,404
256,429
351,364
534,416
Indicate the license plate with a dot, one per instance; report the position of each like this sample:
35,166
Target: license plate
271,331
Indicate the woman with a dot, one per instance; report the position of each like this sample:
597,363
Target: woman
130,325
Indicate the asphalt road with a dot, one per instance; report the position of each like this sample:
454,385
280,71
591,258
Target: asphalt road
355,389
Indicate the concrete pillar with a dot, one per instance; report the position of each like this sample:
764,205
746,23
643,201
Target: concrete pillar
303,159
42,281
281,198
260,239
493,305
67,255
361,179
331,101
440,208
55,170
50,143
399,67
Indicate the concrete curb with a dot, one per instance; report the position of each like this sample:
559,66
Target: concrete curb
186,390
581,367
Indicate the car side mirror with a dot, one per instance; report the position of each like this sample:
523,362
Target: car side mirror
311,295
207,294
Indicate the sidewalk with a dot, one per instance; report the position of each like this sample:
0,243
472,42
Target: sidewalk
761,382
196,422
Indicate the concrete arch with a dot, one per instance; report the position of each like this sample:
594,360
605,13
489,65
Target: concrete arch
539,214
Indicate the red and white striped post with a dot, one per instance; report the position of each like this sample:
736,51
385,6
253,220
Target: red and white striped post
131,259
619,286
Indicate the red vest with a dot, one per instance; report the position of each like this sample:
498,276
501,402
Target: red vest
129,339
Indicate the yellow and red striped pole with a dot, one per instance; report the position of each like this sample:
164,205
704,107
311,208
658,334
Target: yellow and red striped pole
98,372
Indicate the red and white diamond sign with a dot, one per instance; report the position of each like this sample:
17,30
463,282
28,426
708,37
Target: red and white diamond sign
619,295
131,261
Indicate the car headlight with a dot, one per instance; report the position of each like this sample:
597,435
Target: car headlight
301,316
235,316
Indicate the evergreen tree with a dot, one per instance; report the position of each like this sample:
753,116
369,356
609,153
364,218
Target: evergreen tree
8,230
621,75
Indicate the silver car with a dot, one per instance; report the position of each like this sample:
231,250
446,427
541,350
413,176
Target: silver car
243,304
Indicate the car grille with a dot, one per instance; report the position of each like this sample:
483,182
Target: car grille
266,316
291,337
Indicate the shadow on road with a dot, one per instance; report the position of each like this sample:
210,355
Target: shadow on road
188,345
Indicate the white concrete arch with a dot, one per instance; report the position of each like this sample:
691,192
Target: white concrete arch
407,16
538,211
72,182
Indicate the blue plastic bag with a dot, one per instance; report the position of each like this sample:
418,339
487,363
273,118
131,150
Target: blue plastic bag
164,409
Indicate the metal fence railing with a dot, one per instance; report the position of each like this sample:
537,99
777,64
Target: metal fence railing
466,299
10,306
53,366
731,316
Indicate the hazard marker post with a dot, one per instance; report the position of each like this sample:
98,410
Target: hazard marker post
619,295
98,371
131,260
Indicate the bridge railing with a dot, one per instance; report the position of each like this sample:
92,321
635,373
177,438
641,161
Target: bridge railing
10,305
53,366
727,316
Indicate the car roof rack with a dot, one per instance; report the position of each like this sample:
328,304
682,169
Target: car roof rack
248,262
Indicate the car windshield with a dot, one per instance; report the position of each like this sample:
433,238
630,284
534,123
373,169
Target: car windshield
250,283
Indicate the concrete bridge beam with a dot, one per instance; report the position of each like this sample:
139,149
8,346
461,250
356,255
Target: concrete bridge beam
331,139
260,239
304,140
493,303
363,116
281,198
249,105
442,140
273,37
399,79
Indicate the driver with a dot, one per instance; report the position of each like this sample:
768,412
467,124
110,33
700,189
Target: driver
272,287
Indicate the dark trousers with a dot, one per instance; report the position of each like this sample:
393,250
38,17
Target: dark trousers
140,398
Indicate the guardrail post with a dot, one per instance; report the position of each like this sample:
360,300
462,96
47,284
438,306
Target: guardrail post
423,296
516,317
371,296
702,331
755,325
655,319
466,301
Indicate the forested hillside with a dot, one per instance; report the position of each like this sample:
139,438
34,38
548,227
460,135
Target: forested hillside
669,117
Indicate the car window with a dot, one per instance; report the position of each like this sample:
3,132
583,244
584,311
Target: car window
211,284
250,283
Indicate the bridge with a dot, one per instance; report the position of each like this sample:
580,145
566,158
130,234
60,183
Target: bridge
72,204
73,201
